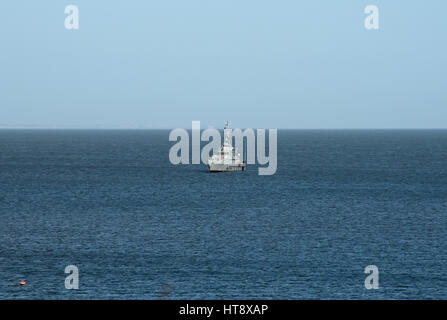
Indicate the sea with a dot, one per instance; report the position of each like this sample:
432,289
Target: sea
135,226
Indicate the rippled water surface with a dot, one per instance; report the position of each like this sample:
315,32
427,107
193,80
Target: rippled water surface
139,227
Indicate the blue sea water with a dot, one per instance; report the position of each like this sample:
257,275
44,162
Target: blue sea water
138,227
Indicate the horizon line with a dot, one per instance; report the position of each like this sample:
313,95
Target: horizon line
172,128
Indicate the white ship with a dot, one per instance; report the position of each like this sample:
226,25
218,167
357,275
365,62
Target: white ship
227,159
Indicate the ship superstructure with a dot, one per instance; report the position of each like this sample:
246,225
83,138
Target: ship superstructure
227,159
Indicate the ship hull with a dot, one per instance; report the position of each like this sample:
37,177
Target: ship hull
225,167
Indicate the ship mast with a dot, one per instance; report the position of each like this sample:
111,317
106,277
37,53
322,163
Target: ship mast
227,134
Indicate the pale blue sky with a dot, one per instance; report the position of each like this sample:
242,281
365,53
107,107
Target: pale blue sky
276,64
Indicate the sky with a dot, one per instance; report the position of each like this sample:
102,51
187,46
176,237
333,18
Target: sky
258,63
